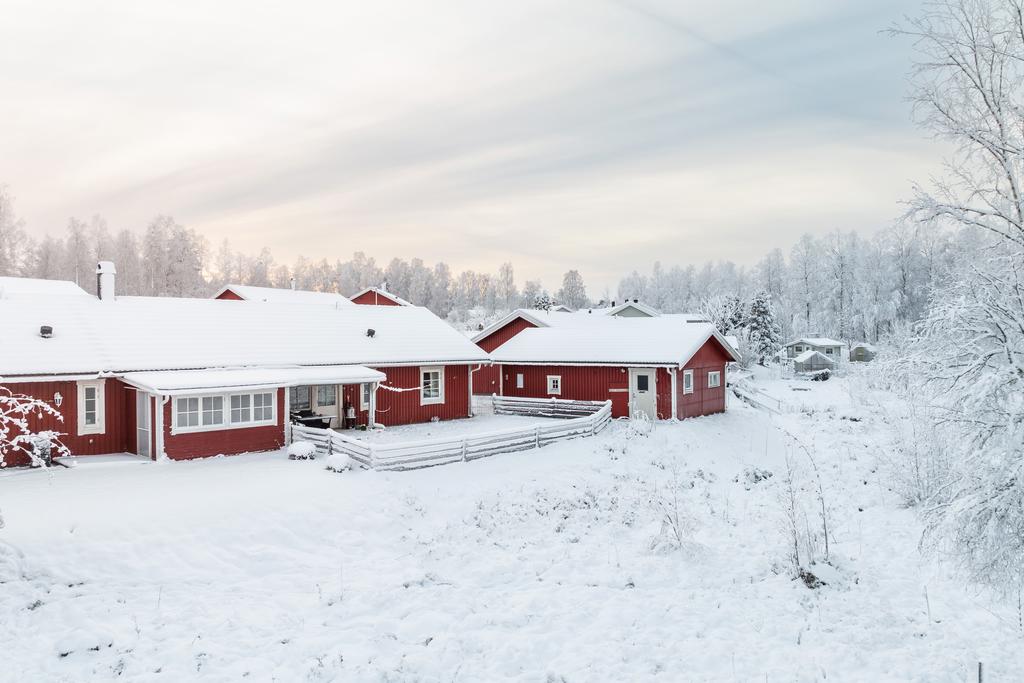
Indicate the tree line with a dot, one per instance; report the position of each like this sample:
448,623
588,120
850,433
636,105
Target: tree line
840,284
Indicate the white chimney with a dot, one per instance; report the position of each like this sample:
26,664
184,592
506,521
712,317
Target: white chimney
106,276
292,281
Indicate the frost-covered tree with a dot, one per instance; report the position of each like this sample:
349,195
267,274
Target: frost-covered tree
969,89
573,292
764,338
16,434
12,236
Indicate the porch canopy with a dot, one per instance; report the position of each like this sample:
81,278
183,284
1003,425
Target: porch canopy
177,382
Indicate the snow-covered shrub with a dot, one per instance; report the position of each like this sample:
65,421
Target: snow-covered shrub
301,450
338,462
821,375
639,425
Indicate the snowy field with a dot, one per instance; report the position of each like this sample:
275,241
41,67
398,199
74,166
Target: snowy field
550,565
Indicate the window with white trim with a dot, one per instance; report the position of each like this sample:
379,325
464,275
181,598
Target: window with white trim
241,408
431,386
91,407
213,411
714,379
187,409
208,413
326,395
687,381
364,398
554,384
263,407
519,380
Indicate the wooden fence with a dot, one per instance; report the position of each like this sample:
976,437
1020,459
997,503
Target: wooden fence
409,455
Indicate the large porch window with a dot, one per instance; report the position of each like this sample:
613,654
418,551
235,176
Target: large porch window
326,396
207,413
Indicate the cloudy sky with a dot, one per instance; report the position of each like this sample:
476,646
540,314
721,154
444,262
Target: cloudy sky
598,134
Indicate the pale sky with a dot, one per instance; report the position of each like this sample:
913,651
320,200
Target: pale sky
598,134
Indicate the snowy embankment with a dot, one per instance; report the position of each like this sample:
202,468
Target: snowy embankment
545,565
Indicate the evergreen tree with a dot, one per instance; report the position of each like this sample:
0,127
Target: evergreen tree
763,333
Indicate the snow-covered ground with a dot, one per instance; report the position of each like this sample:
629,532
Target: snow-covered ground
549,565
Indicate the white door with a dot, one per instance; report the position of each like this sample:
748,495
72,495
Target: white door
142,429
642,394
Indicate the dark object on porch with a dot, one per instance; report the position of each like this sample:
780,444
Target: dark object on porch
310,419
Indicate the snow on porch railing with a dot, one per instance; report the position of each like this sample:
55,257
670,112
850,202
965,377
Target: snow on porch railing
416,454
544,407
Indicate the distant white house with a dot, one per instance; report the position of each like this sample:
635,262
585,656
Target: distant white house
810,354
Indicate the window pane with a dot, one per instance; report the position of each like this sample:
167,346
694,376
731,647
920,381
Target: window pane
327,395
213,410
641,382
366,394
240,411
432,384
263,407
299,398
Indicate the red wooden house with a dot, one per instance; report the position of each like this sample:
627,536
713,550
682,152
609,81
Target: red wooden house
185,378
486,381
274,295
665,367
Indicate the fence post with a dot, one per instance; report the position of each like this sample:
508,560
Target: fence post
464,448
373,456
536,436
330,442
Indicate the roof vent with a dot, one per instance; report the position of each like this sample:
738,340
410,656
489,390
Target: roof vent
370,332
636,301
45,331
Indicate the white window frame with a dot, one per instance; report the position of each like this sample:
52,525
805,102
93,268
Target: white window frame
519,380
717,374
432,400
365,389
225,422
100,426
557,381
687,381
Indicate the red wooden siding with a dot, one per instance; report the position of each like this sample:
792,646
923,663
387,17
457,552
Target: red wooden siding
703,401
188,445
578,383
228,295
486,379
117,431
372,298
402,408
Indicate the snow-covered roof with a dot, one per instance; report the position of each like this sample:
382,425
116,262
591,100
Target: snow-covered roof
807,355
276,295
649,311
585,318
143,333
734,342
171,382
815,341
664,340
382,292
26,286
864,345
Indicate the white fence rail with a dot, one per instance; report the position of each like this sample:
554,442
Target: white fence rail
411,455
544,407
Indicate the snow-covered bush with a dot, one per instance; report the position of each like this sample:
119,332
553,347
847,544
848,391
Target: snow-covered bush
301,450
338,462
16,436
